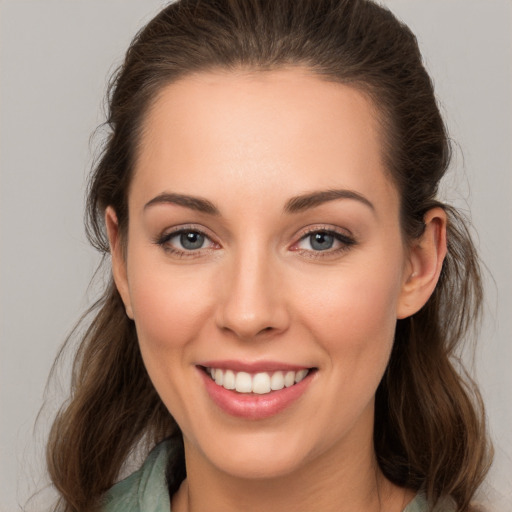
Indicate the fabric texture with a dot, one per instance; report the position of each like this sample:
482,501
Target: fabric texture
146,489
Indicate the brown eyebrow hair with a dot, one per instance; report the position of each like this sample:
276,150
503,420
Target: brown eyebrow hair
312,199
294,205
194,203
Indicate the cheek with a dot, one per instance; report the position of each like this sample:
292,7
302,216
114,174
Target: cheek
354,318
169,306
169,310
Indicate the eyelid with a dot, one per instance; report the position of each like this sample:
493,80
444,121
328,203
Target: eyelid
163,239
325,228
341,235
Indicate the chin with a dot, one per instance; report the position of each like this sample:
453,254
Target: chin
256,456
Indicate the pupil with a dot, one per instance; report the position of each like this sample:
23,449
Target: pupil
321,241
192,240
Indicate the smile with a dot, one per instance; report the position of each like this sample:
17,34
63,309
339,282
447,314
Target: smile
255,391
259,383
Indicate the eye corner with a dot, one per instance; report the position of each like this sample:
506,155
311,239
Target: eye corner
175,242
330,242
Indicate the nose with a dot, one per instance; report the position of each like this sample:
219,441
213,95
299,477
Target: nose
252,302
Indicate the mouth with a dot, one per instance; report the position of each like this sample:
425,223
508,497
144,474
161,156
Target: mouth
260,383
255,390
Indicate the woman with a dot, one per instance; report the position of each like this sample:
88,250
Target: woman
287,290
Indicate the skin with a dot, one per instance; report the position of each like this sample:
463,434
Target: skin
257,289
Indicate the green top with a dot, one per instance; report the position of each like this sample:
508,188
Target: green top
146,489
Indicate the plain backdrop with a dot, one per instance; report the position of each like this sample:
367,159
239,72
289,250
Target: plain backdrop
55,59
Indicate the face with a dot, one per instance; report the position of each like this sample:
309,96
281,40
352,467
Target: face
265,266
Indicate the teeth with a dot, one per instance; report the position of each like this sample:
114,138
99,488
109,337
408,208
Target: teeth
277,381
243,382
229,380
289,379
300,375
259,383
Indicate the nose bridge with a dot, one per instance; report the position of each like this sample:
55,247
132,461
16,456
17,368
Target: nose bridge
252,302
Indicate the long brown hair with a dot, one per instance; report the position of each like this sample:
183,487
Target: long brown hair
429,423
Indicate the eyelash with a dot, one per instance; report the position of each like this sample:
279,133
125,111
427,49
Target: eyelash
164,239
346,242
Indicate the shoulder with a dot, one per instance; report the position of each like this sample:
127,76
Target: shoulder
146,489
420,504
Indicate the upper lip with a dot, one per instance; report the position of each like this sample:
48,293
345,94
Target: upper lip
252,366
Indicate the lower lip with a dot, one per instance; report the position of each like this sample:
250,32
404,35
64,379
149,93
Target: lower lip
251,405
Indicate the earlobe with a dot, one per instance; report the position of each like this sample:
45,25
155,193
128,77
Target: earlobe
118,259
425,261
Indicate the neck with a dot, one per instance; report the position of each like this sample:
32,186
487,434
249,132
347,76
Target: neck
328,483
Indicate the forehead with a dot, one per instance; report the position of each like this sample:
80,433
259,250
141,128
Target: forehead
261,132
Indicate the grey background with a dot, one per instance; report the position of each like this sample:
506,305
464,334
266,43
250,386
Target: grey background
55,57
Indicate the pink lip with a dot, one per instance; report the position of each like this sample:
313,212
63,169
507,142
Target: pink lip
252,367
253,406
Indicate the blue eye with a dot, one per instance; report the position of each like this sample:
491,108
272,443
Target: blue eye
191,240
321,241
184,242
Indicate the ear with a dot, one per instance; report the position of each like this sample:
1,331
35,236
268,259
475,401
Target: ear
424,264
118,259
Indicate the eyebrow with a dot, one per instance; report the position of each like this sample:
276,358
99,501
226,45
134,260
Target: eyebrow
294,205
194,203
312,199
